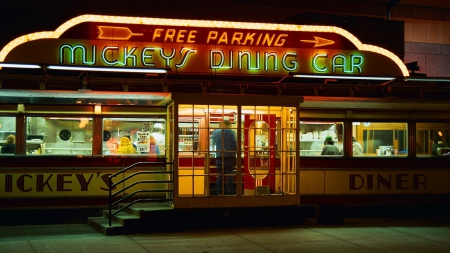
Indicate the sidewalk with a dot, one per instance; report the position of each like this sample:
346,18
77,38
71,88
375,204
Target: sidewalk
354,235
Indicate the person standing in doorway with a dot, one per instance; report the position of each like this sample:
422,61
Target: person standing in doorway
226,148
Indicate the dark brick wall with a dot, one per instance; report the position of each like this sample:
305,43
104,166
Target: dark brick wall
433,59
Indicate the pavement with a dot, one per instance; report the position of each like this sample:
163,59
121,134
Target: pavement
353,235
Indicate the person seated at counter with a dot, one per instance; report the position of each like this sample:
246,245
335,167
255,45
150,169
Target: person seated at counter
10,146
154,149
330,148
125,146
131,139
357,148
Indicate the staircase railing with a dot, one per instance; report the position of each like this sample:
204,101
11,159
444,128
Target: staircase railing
168,190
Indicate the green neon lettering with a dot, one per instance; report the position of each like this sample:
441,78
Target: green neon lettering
292,63
357,61
274,56
316,66
129,55
341,65
242,54
184,59
212,59
104,52
72,53
145,58
167,57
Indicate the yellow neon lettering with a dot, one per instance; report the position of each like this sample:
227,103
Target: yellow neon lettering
170,34
258,40
191,36
223,38
180,36
279,42
237,36
268,40
157,33
212,35
249,37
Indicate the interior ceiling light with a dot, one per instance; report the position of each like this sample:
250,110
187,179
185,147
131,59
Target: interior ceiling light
379,78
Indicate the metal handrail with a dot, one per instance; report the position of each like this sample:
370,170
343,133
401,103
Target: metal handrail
112,185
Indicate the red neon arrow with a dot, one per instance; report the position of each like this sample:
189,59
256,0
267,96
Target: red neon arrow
116,33
320,42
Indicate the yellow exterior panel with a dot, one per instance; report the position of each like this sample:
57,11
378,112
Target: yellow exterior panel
387,182
312,182
190,184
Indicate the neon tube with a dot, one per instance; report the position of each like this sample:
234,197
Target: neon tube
380,78
129,70
19,65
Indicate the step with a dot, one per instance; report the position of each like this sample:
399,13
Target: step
101,224
125,217
138,217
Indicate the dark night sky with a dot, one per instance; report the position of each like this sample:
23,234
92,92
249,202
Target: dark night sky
21,17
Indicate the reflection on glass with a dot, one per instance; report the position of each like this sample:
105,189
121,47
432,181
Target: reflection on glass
433,138
59,135
383,139
259,150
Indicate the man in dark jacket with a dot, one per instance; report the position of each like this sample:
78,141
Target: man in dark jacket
226,147
330,148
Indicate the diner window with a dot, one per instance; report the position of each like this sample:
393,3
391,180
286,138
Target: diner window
7,135
134,136
432,138
59,136
383,139
319,138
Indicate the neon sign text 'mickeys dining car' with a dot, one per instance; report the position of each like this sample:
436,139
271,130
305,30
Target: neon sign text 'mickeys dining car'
203,47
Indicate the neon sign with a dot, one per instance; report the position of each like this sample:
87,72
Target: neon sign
240,60
204,47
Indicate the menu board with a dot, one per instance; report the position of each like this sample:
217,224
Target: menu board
143,142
